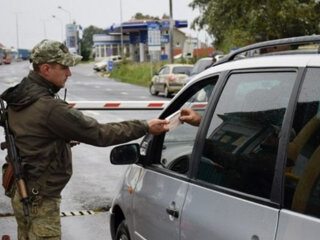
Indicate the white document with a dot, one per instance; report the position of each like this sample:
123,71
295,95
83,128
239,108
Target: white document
174,120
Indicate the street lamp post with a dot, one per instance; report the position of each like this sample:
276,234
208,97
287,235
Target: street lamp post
61,24
44,28
17,30
71,32
171,32
59,7
121,29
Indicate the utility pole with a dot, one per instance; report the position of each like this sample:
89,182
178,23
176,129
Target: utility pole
121,30
171,32
17,31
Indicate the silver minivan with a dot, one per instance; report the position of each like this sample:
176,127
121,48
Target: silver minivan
250,171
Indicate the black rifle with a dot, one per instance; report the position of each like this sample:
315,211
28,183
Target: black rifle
14,159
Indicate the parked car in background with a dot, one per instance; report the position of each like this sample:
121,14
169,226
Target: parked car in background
170,79
250,170
1,55
219,57
103,64
201,65
198,67
5,55
23,54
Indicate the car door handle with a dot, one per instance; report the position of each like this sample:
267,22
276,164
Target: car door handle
172,212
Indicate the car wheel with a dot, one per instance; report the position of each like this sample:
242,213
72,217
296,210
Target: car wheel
122,231
166,92
152,90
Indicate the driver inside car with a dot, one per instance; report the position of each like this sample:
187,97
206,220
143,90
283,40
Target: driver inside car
247,172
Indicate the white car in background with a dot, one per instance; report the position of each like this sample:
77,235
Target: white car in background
199,66
170,79
103,64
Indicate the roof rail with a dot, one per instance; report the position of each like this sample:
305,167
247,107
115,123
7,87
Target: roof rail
285,41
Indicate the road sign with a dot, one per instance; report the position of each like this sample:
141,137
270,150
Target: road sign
110,65
154,37
71,37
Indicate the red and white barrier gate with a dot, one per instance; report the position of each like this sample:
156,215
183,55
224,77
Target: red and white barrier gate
129,105
119,105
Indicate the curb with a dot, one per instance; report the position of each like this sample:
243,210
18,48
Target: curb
70,213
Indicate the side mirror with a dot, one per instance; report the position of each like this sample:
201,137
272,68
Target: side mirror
125,154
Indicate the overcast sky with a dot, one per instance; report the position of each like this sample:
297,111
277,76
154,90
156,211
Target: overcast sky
35,21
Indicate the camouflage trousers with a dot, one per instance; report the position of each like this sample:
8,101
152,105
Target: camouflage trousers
44,218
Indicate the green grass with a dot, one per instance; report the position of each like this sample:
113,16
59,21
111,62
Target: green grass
139,73
135,73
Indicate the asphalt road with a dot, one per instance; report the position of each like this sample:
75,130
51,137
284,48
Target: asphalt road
94,178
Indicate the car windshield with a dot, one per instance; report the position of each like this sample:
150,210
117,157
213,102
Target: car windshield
182,70
111,58
200,66
104,60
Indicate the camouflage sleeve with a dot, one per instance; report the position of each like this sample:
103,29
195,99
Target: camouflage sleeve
71,124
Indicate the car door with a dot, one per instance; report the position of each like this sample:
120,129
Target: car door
161,189
234,163
300,217
159,79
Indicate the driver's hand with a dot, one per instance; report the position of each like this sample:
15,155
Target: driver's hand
190,116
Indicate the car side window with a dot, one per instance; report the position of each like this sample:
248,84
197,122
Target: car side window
161,71
178,142
242,141
164,70
302,182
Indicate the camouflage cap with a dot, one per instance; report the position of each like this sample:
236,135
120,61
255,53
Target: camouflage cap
49,51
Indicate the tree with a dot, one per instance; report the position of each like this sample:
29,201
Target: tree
165,16
237,23
140,16
87,41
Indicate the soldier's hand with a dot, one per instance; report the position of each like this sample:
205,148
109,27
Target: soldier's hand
158,126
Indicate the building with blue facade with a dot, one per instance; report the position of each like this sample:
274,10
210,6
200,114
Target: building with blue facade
141,40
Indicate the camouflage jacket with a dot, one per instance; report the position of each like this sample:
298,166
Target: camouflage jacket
43,126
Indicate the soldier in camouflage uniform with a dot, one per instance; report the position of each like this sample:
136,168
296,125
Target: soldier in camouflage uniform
43,127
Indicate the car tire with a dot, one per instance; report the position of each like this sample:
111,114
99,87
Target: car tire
166,92
122,231
152,90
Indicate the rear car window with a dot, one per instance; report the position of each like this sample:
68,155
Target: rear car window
182,70
302,179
